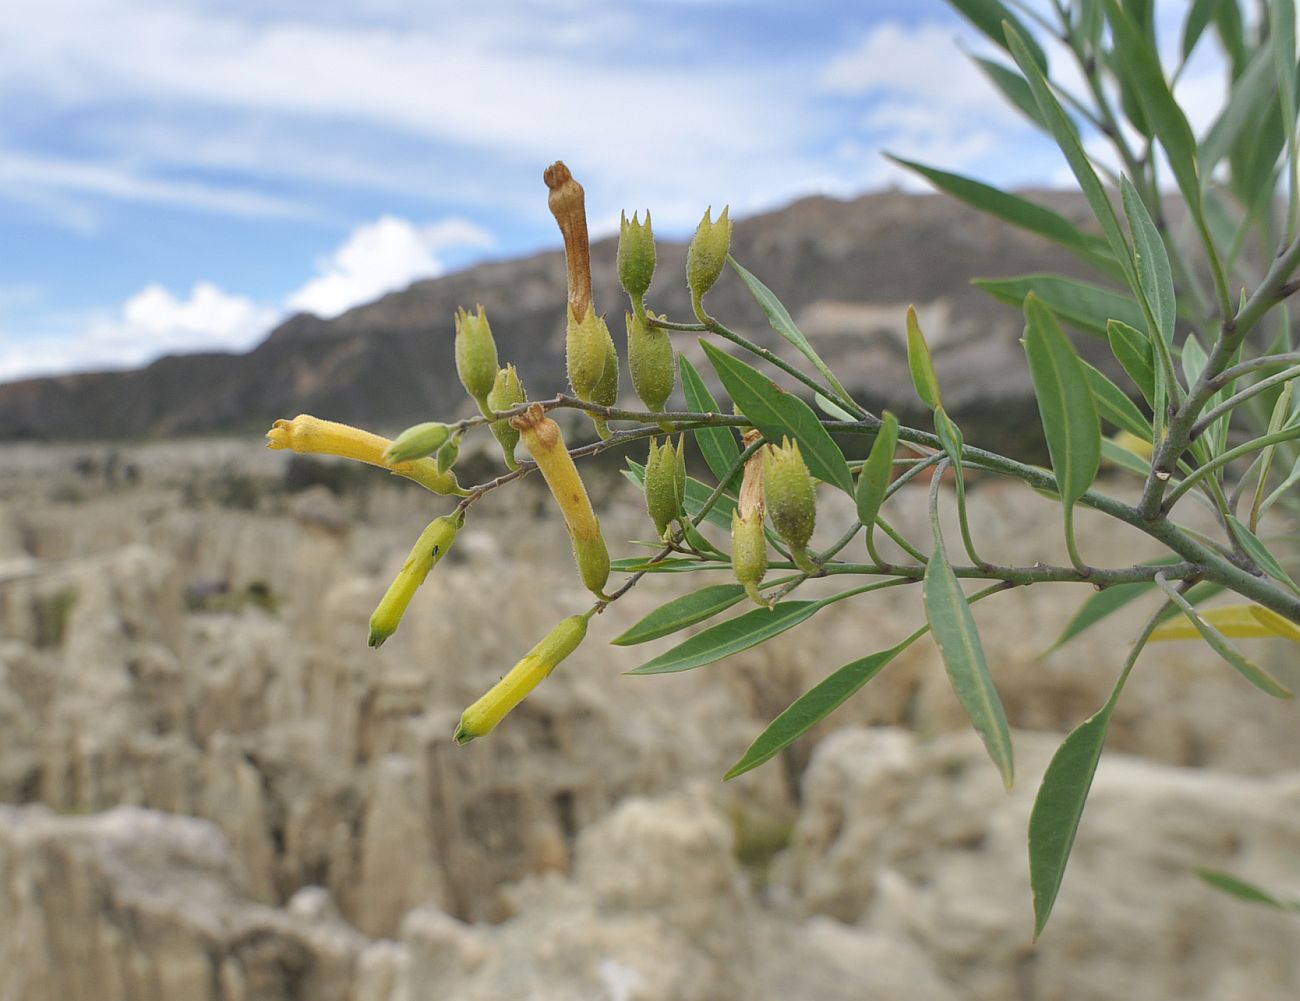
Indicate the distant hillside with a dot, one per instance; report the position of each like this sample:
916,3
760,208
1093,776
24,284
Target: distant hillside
845,269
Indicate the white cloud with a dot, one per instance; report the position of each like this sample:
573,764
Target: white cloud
151,323
380,257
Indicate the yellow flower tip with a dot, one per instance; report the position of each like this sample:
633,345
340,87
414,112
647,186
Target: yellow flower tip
1130,442
462,734
378,633
280,434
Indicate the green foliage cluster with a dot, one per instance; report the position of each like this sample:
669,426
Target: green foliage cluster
1190,296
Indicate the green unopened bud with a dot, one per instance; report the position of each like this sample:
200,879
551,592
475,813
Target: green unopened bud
652,361
476,355
791,498
749,552
706,256
507,393
662,497
606,391
449,453
679,470
586,352
482,717
636,256
417,441
429,548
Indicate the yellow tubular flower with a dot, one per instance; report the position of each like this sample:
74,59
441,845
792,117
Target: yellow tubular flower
483,716
312,436
1234,621
546,443
429,548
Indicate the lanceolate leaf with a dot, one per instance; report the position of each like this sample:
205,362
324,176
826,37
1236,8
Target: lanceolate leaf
1114,405
1220,644
990,15
1142,67
1065,402
877,471
1086,306
1133,351
920,363
1013,88
1017,211
732,636
717,445
815,705
949,615
1102,604
682,612
1067,138
1058,809
1155,279
781,322
1251,95
1243,890
1260,554
777,413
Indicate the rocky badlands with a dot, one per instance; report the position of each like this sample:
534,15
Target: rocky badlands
214,791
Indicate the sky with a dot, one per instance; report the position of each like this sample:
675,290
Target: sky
181,176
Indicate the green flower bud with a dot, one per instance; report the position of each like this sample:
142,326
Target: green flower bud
749,552
679,470
429,548
662,495
483,716
507,393
636,256
449,453
586,352
476,355
417,441
790,497
606,391
706,256
652,361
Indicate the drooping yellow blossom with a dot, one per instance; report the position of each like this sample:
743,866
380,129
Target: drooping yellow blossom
429,548
483,716
545,442
312,436
1235,621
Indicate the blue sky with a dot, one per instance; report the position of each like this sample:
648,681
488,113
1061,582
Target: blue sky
179,176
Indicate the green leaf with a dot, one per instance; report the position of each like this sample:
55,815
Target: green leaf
638,564
717,445
1013,88
1058,808
815,705
1259,553
1088,307
682,612
781,322
1221,645
1105,603
1247,105
1114,405
1133,351
1283,40
1193,357
1243,890
1118,455
1017,211
1065,402
1198,18
1141,65
1155,279
733,636
988,16
949,615
832,409
1067,138
877,471
776,412
920,363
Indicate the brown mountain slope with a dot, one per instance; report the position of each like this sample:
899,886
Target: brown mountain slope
845,269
